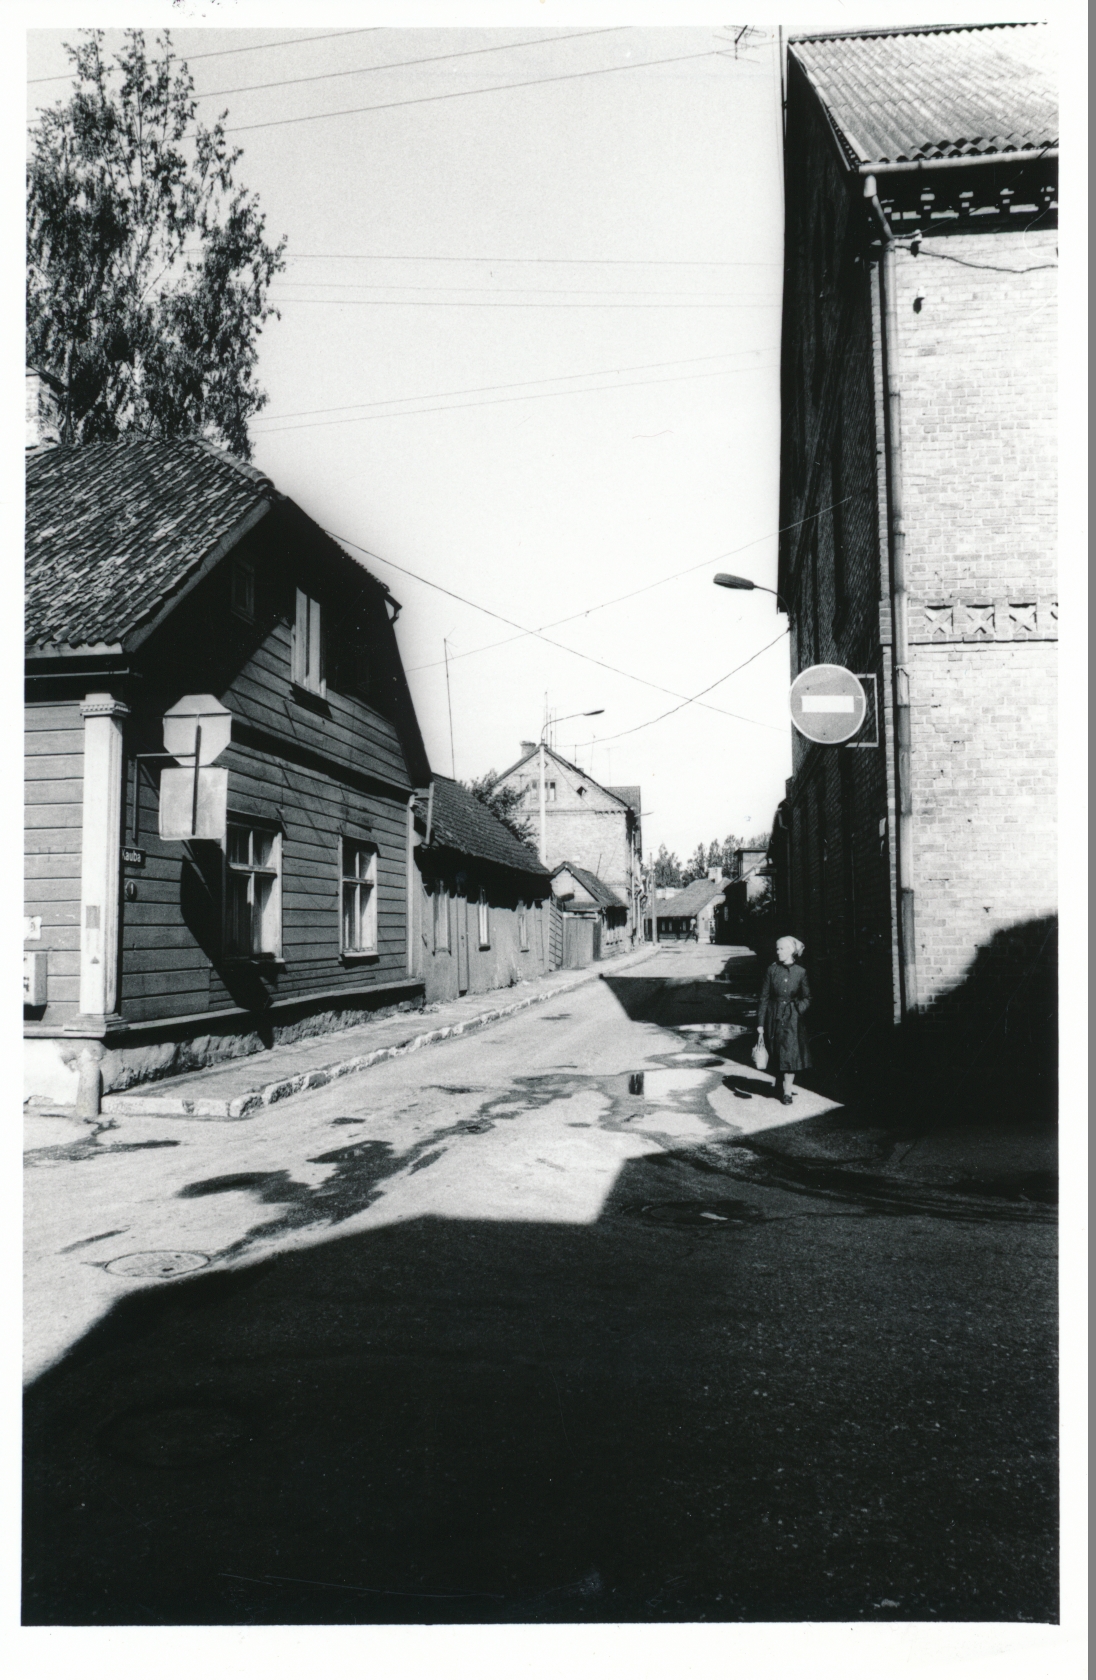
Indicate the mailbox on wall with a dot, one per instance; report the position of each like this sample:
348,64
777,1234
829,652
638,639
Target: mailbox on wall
35,978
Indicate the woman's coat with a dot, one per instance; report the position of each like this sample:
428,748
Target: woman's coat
785,998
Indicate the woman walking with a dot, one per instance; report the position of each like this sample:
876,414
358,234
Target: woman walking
785,998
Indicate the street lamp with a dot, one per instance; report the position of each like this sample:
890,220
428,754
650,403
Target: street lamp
541,756
729,580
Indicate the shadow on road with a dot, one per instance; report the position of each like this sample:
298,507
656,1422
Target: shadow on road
712,1403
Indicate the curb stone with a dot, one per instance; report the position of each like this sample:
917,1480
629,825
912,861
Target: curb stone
238,1108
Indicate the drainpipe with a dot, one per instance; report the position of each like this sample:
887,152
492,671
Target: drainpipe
907,950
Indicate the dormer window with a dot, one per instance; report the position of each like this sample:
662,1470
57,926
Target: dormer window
308,664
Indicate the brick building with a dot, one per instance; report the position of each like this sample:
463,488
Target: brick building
918,500
596,827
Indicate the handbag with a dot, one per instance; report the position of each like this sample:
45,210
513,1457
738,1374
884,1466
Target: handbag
759,1055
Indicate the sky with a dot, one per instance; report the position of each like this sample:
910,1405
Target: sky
528,351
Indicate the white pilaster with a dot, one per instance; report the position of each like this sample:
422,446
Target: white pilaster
100,866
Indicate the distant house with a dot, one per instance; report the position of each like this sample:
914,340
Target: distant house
189,896
596,827
594,920
482,906
692,913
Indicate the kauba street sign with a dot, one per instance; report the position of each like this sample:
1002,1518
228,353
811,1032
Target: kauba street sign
828,704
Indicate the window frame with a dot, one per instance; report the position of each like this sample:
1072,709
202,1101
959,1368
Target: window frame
242,572
271,871
483,920
307,662
367,920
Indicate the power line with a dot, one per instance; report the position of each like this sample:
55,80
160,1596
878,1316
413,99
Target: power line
601,262
486,303
468,93
643,588
603,740
513,624
224,52
411,63
517,384
533,396
552,291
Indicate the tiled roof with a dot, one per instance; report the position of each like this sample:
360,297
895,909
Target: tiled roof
598,891
632,796
463,823
904,95
113,528
692,899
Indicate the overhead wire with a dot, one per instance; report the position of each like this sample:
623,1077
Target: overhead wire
644,588
412,63
693,699
525,631
532,396
469,93
483,390
225,52
600,262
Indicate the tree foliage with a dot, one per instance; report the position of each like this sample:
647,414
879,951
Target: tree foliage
148,273
505,803
667,870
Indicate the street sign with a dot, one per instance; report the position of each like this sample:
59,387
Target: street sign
828,704
188,716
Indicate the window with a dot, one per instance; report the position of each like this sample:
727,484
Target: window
523,927
243,588
359,899
253,900
308,645
484,919
441,919
549,791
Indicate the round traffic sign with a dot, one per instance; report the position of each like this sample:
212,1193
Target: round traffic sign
828,704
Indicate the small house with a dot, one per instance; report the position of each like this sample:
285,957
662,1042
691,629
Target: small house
694,912
482,901
594,921
221,759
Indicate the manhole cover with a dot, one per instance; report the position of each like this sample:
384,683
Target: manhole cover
175,1436
709,1215
158,1263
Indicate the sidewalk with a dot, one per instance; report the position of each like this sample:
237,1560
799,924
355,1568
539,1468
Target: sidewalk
232,1090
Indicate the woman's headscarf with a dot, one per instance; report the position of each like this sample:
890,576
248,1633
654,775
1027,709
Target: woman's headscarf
796,944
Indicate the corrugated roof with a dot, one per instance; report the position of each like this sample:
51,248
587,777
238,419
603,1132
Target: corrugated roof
598,891
113,528
692,899
906,95
463,823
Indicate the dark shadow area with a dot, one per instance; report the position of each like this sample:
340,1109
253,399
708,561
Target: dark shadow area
713,1403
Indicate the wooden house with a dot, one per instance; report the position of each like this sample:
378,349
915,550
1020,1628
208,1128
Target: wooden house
482,904
194,897
694,912
594,920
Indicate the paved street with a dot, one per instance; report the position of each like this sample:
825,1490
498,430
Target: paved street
520,1328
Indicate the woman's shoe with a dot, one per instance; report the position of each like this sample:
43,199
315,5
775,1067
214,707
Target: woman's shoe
786,1098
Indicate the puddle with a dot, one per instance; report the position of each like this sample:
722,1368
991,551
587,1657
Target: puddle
86,1242
89,1149
158,1263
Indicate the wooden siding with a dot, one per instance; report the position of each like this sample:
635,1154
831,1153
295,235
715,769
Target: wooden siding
54,764
315,767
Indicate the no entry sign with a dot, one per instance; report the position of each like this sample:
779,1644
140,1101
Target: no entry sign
828,704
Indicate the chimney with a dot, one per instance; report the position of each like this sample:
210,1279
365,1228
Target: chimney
528,747
43,416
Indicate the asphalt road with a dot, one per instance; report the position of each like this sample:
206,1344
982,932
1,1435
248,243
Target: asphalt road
491,1334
